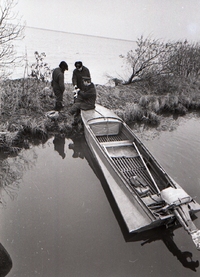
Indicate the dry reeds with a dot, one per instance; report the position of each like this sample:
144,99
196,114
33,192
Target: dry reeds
136,113
25,102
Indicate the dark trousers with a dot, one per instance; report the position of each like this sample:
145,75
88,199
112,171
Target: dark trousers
75,110
59,100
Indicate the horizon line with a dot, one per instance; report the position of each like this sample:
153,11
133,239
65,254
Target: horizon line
80,34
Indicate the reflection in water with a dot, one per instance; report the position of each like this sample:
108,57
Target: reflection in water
81,150
11,173
166,235
5,261
78,153
59,144
184,257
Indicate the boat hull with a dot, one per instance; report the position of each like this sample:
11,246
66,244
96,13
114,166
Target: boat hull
100,127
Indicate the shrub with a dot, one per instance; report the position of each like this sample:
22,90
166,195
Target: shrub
40,70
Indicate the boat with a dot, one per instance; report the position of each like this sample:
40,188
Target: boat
146,196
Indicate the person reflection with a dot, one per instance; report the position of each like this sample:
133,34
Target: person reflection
5,261
59,144
184,257
76,146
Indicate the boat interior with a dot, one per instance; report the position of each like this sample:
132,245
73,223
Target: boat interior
137,170
142,174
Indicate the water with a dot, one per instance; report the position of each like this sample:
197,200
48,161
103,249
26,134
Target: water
178,152
59,218
100,55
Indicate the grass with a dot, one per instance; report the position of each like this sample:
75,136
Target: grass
24,103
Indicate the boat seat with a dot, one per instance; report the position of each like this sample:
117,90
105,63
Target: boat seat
116,143
106,128
120,149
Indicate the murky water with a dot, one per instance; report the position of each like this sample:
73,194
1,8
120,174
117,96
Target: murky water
59,219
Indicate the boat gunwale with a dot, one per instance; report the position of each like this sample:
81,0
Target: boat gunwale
154,217
105,161
169,180
135,139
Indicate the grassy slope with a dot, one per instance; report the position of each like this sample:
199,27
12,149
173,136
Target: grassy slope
25,102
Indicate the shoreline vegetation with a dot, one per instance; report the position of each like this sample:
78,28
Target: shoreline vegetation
164,79
25,103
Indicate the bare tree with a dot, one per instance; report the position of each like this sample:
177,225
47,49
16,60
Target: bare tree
153,58
150,56
10,30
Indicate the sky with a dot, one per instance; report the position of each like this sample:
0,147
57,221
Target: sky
121,19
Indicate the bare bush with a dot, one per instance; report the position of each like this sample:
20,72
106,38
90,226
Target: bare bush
153,58
184,61
40,70
149,58
10,30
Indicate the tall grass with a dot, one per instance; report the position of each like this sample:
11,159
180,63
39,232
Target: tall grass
137,113
25,102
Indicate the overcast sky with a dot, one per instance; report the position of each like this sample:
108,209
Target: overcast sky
123,19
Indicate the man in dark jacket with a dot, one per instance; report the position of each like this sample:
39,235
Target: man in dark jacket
78,73
85,99
58,84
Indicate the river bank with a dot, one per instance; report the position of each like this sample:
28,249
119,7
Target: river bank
26,102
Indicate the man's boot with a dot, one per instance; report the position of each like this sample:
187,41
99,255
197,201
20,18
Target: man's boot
58,106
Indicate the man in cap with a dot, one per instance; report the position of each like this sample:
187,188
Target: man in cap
85,99
78,73
58,84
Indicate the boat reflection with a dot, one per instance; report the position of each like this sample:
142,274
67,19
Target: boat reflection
5,261
166,235
81,149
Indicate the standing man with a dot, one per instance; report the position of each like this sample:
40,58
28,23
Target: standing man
58,84
78,73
